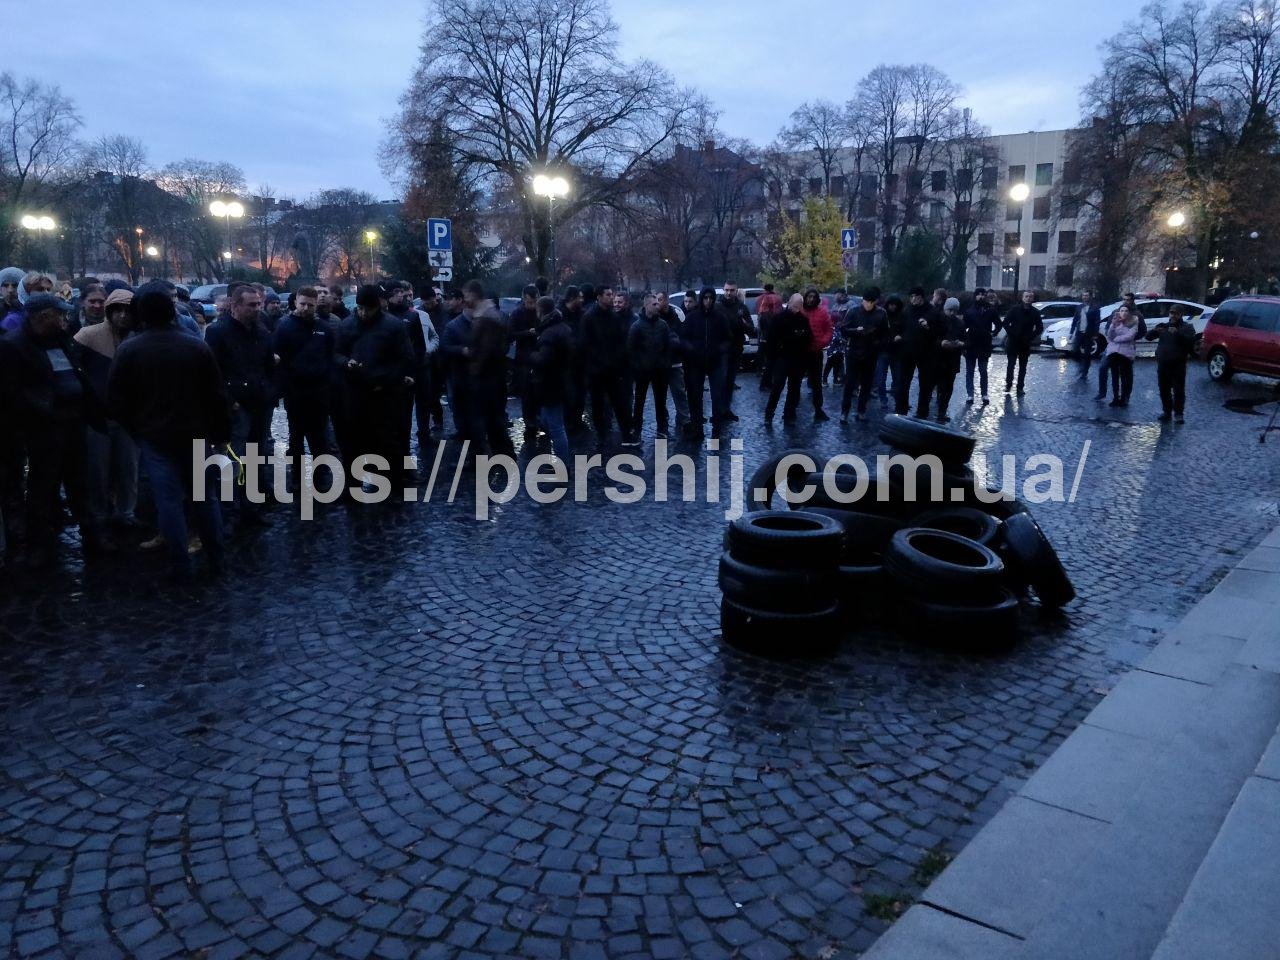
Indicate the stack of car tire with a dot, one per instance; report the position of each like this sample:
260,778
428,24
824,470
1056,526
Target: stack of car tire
955,570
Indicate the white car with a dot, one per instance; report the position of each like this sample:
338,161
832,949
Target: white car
1154,310
1051,311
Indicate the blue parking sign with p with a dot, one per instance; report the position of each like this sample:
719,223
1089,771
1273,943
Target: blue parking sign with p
439,234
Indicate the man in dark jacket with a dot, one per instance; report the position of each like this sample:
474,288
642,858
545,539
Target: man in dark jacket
740,328
305,346
523,325
604,347
706,350
373,348
649,353
47,398
1175,345
865,328
1085,325
767,307
552,364
487,371
791,338
674,320
915,348
1023,326
244,351
940,379
455,350
167,391
434,308
423,339
981,324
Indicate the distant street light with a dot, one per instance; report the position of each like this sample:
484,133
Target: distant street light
372,237
1177,219
1017,266
152,252
1019,192
228,211
39,225
551,187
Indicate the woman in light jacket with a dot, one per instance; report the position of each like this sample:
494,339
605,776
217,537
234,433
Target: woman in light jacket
1122,334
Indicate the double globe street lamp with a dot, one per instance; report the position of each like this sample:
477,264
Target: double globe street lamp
551,187
1018,193
39,225
233,210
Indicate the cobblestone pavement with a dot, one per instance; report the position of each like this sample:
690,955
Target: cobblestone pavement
396,731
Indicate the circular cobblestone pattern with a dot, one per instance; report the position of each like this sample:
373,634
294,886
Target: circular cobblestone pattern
398,731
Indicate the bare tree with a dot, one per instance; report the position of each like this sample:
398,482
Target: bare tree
824,128
37,130
968,204
198,183
119,164
527,86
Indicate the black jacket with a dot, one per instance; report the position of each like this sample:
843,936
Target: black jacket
706,335
413,329
864,331
951,330
740,326
895,326
380,345
1022,325
305,348
244,356
604,340
981,324
1175,344
649,345
790,333
552,359
918,337
34,394
165,388
524,332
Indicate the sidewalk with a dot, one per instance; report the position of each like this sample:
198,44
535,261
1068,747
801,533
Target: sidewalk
1152,831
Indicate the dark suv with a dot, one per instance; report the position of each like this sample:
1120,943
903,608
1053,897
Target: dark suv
1243,336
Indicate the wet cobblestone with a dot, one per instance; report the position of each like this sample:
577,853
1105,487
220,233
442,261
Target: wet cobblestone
396,731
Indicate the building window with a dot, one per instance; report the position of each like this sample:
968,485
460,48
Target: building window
1067,241
936,209
867,207
886,245
1011,241
915,181
891,184
989,175
868,183
986,244
1069,208
1071,171
983,278
1065,275
867,263
815,186
837,186
1040,242
1044,174
964,180
794,187
962,211
938,181
1013,211
866,232
1035,278
1040,208
1018,174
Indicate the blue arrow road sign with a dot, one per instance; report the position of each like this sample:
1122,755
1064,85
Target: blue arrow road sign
439,234
848,238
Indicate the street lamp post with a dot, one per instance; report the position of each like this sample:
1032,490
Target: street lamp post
1017,268
1018,193
228,211
39,225
372,237
153,253
551,187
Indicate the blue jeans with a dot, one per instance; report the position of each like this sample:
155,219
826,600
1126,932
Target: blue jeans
979,362
171,487
553,417
884,363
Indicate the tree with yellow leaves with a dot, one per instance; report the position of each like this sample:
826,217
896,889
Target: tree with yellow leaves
807,252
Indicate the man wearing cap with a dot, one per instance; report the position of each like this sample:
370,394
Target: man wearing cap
165,388
272,311
46,394
112,454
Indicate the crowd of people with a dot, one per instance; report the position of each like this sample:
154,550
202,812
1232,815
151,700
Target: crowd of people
99,384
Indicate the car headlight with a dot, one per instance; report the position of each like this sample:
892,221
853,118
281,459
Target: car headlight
1062,343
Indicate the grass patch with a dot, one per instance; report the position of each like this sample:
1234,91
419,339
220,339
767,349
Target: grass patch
932,864
885,906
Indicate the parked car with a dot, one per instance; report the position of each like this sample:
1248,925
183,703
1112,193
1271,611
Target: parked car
1051,311
1154,310
1243,336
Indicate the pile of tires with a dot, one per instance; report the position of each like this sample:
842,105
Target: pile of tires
921,438
779,580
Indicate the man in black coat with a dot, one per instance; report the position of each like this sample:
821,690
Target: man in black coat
791,337
245,353
944,364
915,349
165,388
305,346
981,324
552,365
1085,325
740,328
865,328
523,325
1023,326
603,337
706,350
47,398
373,349
572,309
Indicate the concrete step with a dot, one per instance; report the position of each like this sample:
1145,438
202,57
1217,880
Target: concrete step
1232,908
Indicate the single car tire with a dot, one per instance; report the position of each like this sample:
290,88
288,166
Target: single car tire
940,565
779,591
1034,562
920,437
1219,366
765,478
865,535
786,540
989,614
881,498
772,634
967,521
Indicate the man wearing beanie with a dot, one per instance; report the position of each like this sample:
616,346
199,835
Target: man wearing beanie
166,390
915,352
373,350
939,377
865,329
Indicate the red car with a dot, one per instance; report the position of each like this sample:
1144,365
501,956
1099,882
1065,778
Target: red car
1243,336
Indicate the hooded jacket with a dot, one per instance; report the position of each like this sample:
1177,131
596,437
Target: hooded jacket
42,381
706,332
981,323
649,345
821,325
604,340
792,337
552,359
740,325
11,316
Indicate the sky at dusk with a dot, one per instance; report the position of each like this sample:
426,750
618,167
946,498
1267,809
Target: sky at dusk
298,93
